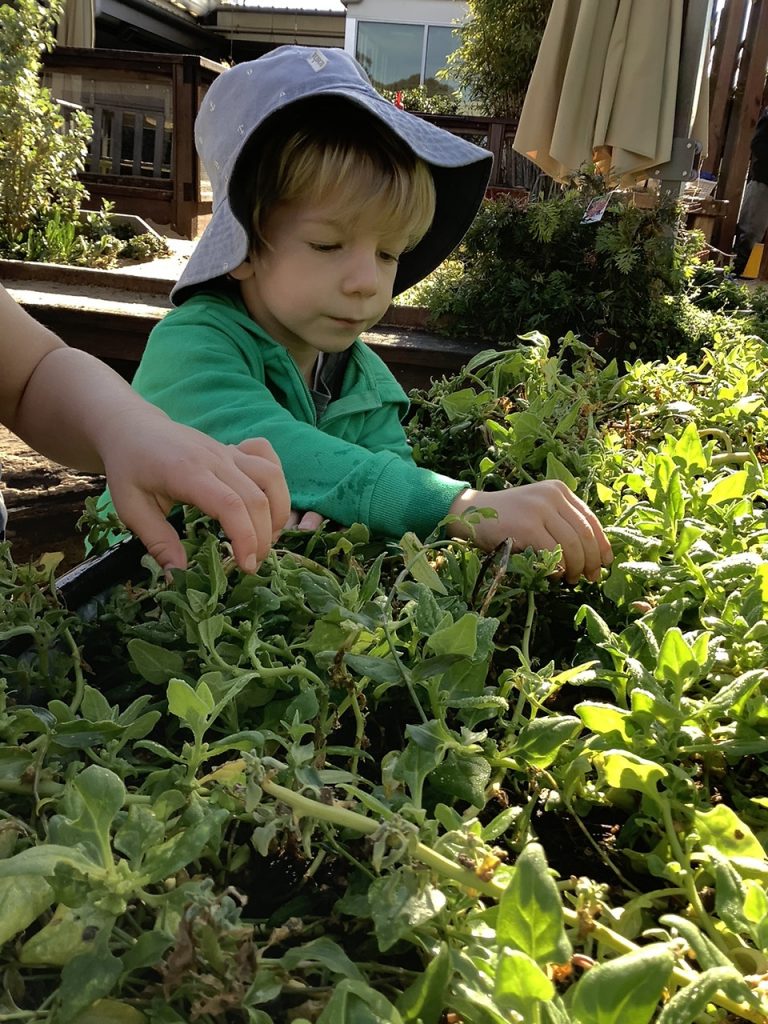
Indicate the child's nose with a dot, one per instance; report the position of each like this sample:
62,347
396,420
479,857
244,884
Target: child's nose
361,274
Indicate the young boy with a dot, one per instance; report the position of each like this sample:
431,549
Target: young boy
76,410
327,201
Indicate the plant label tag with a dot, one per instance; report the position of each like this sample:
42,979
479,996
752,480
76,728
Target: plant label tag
597,207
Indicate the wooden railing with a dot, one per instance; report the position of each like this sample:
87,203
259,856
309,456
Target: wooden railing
143,105
510,169
143,158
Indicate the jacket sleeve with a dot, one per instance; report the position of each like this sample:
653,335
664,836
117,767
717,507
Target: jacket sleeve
200,376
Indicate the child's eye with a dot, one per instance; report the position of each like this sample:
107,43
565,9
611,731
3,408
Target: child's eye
390,257
323,246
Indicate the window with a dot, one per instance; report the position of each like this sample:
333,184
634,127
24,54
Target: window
440,43
405,56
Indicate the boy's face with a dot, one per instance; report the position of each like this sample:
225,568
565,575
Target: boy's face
323,278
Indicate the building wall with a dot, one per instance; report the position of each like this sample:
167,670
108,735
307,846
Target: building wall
401,56
240,23
425,12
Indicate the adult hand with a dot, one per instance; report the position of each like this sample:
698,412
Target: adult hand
541,515
155,463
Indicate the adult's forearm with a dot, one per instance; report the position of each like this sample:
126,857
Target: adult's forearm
72,405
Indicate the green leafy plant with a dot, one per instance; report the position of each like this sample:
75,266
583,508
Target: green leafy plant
414,782
621,284
499,44
89,240
40,154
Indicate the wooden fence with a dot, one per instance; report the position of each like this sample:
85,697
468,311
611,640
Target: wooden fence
142,155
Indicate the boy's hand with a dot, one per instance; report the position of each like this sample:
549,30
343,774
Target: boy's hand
153,464
542,516
308,521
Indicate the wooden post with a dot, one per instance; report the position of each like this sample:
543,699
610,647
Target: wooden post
741,125
724,59
185,171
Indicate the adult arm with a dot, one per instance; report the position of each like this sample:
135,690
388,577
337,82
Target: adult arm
76,410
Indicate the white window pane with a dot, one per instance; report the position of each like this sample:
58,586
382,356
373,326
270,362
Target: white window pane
440,42
391,54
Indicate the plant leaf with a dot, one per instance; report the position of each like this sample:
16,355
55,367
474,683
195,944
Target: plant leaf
530,916
626,990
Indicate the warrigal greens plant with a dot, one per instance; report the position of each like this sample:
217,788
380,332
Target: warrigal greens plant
412,782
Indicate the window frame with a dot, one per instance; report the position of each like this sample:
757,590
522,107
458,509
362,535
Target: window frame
424,26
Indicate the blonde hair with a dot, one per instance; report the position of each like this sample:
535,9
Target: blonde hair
330,148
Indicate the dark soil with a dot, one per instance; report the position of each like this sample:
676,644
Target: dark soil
44,502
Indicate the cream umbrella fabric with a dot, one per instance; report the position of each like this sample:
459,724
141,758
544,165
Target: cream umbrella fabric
605,87
77,24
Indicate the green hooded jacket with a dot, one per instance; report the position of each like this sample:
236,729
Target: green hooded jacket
209,365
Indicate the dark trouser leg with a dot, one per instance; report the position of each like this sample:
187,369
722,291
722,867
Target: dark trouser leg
753,223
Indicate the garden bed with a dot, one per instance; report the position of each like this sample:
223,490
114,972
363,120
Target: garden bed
331,792
111,313
44,501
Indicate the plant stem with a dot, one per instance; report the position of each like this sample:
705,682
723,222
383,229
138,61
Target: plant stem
689,883
393,650
506,551
344,818
528,628
77,664
736,458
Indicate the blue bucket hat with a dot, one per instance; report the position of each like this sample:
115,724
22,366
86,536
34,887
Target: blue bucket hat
242,98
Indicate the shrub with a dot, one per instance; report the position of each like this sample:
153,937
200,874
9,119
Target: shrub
40,156
421,101
499,45
619,284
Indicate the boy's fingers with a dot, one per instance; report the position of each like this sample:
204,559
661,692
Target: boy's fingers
259,446
303,520
310,521
586,554
573,549
248,524
596,530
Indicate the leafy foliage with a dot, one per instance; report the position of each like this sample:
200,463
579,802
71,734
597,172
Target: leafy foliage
499,44
383,782
40,156
715,291
421,100
88,240
621,284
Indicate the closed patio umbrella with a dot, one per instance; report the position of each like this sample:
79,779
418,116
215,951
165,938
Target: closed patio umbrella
76,25
615,82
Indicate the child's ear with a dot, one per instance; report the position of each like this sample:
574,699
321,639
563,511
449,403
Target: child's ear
243,272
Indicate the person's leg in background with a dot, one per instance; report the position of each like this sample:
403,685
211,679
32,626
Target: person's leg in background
752,224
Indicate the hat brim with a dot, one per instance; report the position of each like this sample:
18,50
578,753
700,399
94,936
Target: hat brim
459,168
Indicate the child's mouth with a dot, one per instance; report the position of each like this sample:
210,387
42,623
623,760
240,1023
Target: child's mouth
344,322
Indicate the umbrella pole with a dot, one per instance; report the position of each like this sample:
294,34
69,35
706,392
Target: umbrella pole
694,56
